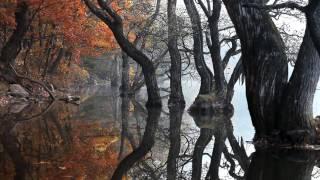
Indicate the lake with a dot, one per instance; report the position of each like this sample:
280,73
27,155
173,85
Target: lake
109,136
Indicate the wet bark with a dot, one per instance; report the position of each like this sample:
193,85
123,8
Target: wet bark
175,142
176,95
203,70
264,64
12,48
114,22
144,147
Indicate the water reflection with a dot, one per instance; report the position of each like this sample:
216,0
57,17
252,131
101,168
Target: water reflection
282,165
108,137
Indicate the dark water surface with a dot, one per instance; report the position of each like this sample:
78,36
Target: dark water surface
111,137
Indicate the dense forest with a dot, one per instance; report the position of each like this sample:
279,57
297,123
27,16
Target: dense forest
51,51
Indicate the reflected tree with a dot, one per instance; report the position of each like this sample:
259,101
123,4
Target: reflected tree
282,164
145,146
176,113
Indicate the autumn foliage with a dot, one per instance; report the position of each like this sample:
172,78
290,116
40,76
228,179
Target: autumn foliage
57,26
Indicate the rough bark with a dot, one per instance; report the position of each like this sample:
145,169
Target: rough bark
204,72
265,64
176,95
313,22
297,101
114,22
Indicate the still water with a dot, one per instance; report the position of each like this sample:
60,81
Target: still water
111,137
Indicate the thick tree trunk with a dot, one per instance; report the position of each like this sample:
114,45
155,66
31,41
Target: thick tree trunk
264,62
297,102
203,70
12,48
176,95
313,22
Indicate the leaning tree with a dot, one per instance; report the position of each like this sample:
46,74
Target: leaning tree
104,11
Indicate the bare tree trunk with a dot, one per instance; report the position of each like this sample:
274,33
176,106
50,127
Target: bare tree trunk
297,102
277,105
114,22
203,70
214,46
265,64
313,22
176,95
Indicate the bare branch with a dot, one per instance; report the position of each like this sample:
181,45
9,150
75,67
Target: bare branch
286,5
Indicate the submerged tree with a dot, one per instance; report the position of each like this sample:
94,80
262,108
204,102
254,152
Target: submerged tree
277,106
